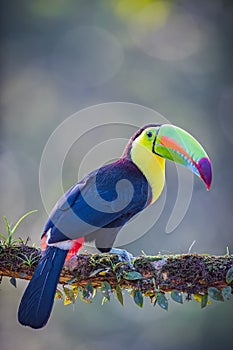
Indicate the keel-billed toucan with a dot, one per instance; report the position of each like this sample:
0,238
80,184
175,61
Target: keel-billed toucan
96,208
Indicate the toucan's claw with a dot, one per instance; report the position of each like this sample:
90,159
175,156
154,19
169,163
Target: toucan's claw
123,255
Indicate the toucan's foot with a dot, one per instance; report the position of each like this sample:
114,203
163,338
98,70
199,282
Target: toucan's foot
124,255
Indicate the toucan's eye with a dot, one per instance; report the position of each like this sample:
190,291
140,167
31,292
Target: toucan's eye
149,134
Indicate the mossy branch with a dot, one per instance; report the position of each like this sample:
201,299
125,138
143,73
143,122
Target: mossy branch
198,275
189,273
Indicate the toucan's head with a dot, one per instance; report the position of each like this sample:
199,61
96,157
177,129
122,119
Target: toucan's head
173,143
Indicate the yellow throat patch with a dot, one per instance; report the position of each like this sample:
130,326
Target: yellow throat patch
151,165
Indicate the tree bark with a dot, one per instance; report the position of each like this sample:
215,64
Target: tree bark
189,273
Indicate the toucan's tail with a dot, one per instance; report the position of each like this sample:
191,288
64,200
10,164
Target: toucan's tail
38,298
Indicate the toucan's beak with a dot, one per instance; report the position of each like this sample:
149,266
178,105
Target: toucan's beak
179,146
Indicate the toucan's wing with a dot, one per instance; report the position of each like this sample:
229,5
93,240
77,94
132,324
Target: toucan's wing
96,202
64,204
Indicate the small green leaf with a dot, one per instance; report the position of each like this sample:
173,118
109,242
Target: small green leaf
226,292
88,293
133,275
137,297
59,294
8,228
106,290
162,301
21,219
119,294
215,293
69,295
114,267
177,296
13,281
229,275
204,300
104,299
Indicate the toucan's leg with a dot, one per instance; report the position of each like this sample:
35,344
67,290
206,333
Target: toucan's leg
124,255
104,240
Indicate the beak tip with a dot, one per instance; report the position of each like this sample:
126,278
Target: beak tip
204,167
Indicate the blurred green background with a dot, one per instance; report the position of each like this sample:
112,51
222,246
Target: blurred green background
60,56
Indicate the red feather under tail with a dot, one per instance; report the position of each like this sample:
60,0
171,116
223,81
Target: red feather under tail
77,245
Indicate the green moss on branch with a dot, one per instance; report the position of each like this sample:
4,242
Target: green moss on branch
190,273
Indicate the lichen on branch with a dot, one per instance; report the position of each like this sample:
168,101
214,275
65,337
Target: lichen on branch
151,276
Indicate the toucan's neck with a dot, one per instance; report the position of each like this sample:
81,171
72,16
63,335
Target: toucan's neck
151,165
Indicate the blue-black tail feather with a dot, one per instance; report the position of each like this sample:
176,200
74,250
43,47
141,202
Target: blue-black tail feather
37,301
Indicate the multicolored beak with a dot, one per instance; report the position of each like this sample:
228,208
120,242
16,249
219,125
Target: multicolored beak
179,146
